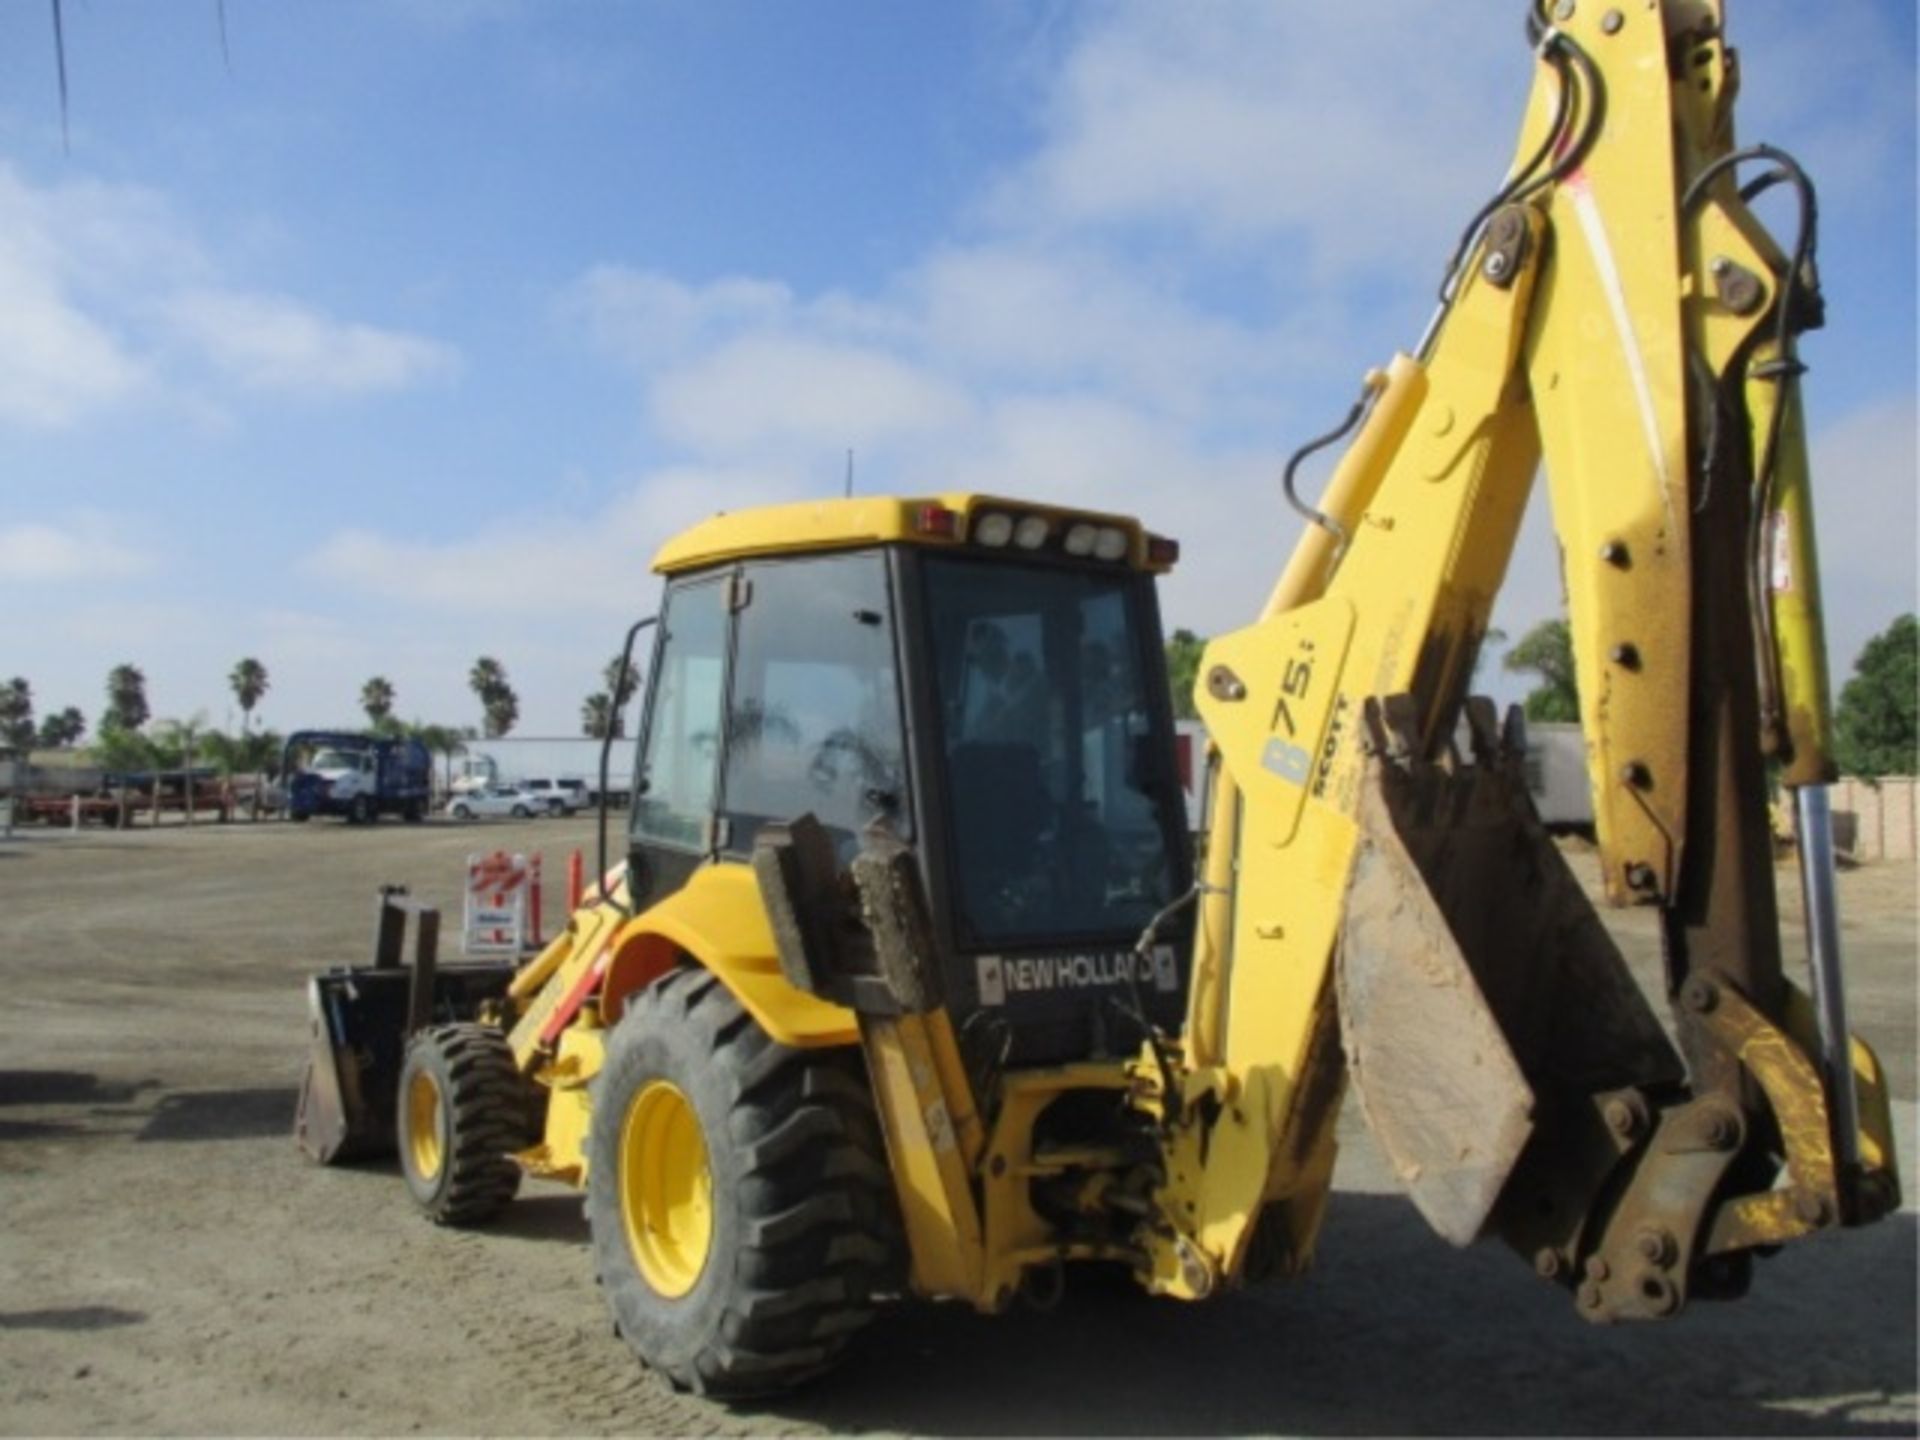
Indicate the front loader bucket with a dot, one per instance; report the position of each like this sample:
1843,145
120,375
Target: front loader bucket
348,1093
1478,991
359,1021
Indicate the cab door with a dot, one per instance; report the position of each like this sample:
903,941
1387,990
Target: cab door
676,781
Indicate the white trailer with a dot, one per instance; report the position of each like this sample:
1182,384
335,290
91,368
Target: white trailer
515,758
1556,767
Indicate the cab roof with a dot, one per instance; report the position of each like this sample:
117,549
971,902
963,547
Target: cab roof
944,521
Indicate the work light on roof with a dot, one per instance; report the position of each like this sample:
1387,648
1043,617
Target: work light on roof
1080,540
1110,543
993,529
1031,532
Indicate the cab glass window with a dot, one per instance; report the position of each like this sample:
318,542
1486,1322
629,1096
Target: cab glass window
815,723
680,759
1064,814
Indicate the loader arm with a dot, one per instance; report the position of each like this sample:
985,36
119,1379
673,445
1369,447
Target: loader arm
1376,909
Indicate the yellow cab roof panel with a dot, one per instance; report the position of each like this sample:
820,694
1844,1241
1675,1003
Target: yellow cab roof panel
813,525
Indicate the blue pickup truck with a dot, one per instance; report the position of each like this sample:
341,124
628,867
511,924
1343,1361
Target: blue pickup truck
358,777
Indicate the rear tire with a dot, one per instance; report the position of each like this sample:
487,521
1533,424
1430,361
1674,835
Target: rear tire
415,812
463,1110
750,1275
521,812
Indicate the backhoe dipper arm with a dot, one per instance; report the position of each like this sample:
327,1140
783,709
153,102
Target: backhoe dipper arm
1617,311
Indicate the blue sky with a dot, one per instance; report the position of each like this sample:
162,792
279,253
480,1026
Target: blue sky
408,335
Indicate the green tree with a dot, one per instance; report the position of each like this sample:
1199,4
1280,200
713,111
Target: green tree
1184,649
499,706
1547,651
376,698
126,698
119,749
1876,730
63,730
249,682
596,714
16,714
176,744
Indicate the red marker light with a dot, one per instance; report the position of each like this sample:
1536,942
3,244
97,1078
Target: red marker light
937,520
1162,551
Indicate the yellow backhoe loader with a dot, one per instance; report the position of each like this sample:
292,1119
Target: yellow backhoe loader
906,983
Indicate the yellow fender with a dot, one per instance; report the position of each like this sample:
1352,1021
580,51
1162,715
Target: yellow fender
717,920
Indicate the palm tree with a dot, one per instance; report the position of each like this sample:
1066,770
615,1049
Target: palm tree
445,741
63,730
376,698
622,693
499,706
619,693
503,709
127,697
249,682
486,677
596,713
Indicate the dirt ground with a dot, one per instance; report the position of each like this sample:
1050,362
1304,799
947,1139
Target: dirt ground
169,1263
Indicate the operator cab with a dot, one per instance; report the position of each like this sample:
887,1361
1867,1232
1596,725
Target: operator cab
990,690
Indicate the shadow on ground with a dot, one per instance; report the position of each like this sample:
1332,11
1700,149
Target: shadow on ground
77,1317
65,1087
559,1218
243,1114
1396,1334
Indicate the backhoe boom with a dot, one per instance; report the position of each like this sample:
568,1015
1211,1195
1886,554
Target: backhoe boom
1620,314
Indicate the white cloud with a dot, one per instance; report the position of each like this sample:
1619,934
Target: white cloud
34,552
100,283
800,397
271,342
61,358
646,318
1245,123
1146,312
1021,313
534,566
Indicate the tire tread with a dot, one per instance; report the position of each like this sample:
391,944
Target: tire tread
818,1240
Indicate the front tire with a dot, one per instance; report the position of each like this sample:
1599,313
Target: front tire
463,1111
742,1212
521,812
360,811
460,812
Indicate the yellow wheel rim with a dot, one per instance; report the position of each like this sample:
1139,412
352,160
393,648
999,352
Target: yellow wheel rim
423,1124
666,1189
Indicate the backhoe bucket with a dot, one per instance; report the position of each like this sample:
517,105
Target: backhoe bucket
1479,992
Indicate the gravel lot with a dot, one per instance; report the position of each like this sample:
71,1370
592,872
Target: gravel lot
171,1264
